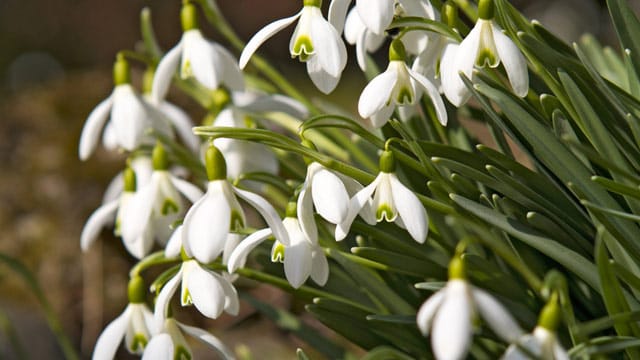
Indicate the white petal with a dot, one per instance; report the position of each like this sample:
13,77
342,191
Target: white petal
231,301
270,103
361,50
174,245
451,331
495,314
239,255
232,242
163,299
324,81
206,292
182,124
559,353
136,212
329,196
528,342
376,94
297,260
352,186
514,62
103,216
410,209
128,116
355,205
452,85
305,216
376,14
203,58
231,74
319,267
164,73
159,348
434,95
92,128
206,226
110,339
267,211
140,246
381,117
208,339
263,35
330,50
468,49
427,311
337,13
190,191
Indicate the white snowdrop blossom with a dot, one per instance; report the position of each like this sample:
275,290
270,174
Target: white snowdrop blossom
356,33
134,325
397,86
392,202
208,291
169,342
329,193
210,220
243,156
303,257
449,314
129,117
180,121
156,206
542,342
314,41
486,44
111,212
196,57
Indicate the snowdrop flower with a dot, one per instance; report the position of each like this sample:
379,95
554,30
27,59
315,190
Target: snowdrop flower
485,45
356,33
392,202
329,193
314,41
135,325
209,63
128,116
111,213
243,156
156,206
397,86
210,220
209,292
543,342
170,344
302,258
448,315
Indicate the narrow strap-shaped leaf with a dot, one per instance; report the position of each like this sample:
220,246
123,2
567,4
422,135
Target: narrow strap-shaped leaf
627,27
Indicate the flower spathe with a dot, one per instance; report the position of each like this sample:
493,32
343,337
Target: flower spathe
397,86
448,316
314,41
170,344
486,44
392,201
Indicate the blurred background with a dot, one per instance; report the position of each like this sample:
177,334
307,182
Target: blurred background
55,66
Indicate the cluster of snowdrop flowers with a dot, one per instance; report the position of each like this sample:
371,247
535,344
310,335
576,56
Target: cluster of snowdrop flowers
201,225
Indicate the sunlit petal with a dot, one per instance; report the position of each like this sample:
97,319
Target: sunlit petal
206,292
376,14
110,339
451,331
103,216
267,211
164,73
329,196
239,255
263,35
427,312
376,94
92,128
513,61
410,209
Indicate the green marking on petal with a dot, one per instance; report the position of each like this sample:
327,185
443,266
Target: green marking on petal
303,48
237,221
405,96
117,231
169,207
186,71
385,211
139,343
486,57
181,353
277,252
186,298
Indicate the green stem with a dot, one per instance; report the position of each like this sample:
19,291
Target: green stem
157,258
6,327
50,315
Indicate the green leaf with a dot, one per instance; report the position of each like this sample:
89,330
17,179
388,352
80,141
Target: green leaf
385,352
394,319
423,24
355,330
603,345
401,263
627,27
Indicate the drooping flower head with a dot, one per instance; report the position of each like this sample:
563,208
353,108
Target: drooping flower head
397,86
392,201
215,215
196,57
448,315
134,325
485,45
314,41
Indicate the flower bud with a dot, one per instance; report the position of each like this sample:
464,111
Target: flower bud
550,315
189,17
129,177
457,268
316,3
291,210
396,51
136,290
121,71
159,158
387,162
486,9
